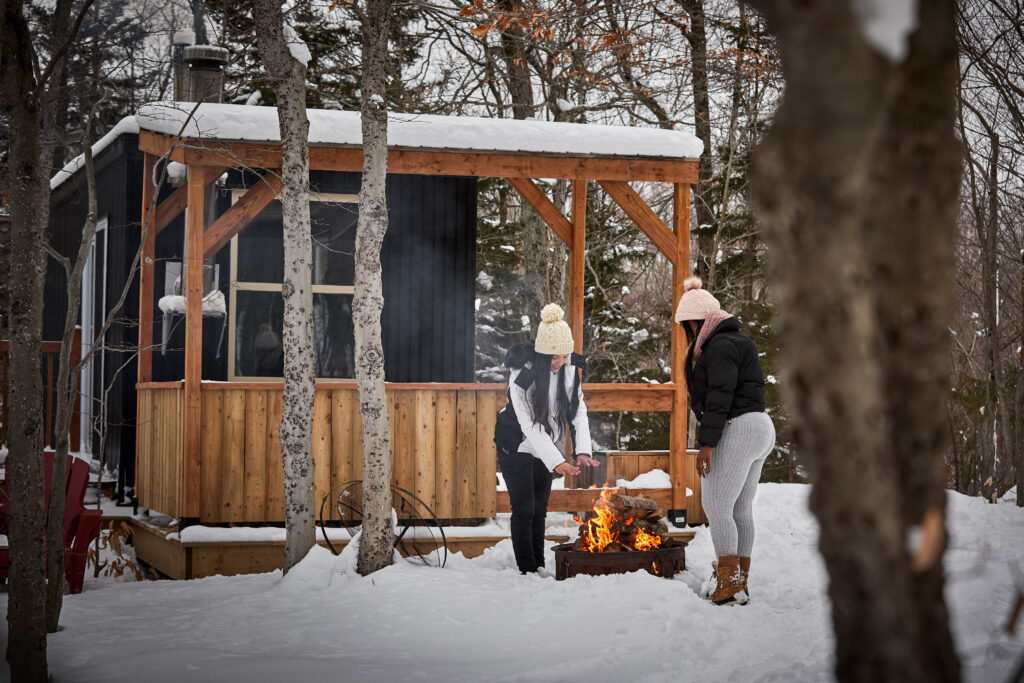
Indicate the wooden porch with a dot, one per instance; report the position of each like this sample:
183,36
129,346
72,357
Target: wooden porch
209,452
441,445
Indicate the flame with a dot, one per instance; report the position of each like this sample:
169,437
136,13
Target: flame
598,533
646,541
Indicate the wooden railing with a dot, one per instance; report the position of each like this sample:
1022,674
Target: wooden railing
442,444
51,363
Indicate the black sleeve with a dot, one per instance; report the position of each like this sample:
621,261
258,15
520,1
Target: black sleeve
723,369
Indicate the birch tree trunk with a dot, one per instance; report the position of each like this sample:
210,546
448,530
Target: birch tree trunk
287,74
857,185
378,537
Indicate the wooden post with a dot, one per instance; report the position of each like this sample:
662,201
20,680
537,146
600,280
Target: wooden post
194,225
677,436
146,276
579,244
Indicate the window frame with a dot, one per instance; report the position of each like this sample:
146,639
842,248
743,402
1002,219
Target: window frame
234,285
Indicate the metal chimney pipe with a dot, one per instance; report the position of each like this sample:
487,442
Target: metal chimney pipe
206,72
179,42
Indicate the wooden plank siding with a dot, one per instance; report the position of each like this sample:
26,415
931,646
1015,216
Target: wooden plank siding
160,463
442,446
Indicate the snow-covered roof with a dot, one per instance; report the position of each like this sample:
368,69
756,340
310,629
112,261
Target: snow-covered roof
422,132
126,125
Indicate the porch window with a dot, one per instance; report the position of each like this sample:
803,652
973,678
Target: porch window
257,309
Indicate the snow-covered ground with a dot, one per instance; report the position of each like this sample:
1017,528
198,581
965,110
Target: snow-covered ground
479,619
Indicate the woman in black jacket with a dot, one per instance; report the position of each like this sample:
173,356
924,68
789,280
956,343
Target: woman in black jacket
726,389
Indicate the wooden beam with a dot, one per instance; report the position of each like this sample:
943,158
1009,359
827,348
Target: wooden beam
467,163
579,500
146,277
644,217
544,207
194,261
677,423
240,214
171,207
579,246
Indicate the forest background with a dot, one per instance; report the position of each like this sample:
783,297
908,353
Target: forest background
707,67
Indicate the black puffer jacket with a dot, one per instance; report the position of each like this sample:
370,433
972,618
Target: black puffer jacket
725,382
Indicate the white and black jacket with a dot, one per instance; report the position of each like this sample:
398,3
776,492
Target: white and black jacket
515,430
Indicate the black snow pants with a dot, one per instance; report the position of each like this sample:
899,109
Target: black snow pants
529,486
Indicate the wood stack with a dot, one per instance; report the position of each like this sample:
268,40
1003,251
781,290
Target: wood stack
624,517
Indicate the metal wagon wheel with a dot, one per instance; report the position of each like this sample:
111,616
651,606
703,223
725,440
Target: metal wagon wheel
411,510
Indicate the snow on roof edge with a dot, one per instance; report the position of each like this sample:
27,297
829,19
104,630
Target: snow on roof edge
128,124
426,132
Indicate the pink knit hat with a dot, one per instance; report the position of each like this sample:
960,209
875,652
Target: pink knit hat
695,303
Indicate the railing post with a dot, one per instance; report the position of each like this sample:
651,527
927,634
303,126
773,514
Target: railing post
194,226
579,245
677,436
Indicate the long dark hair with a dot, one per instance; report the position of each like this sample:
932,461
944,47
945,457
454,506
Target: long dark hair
691,336
538,367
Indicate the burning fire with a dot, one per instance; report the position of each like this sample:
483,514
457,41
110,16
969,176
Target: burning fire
598,533
646,541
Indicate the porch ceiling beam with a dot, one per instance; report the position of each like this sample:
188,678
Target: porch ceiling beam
171,208
544,207
427,162
239,215
644,217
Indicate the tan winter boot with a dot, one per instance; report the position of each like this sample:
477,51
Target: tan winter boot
729,590
744,572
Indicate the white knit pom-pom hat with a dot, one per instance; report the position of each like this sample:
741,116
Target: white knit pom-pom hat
695,303
554,337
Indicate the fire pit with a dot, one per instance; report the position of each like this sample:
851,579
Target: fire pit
664,561
624,534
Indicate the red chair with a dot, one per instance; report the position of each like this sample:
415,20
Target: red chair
81,526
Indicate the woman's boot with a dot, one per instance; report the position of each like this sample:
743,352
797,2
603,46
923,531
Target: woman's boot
729,589
744,572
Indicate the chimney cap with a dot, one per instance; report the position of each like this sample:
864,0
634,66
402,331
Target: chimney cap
199,54
185,36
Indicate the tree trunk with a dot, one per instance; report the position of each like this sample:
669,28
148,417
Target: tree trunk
1019,400
696,36
857,185
986,223
376,545
287,75
538,259
29,202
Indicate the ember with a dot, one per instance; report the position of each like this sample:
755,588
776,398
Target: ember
621,524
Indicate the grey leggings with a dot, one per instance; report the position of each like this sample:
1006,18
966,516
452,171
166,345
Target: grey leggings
728,490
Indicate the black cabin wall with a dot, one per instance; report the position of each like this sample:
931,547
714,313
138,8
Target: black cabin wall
118,193
428,261
429,267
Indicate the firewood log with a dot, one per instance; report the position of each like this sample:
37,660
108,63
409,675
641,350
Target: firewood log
620,503
616,547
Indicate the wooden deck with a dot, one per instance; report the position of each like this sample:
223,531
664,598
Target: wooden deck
183,560
441,444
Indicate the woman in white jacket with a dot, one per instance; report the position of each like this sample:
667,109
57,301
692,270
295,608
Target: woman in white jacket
544,397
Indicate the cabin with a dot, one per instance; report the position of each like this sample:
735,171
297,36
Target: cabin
194,423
